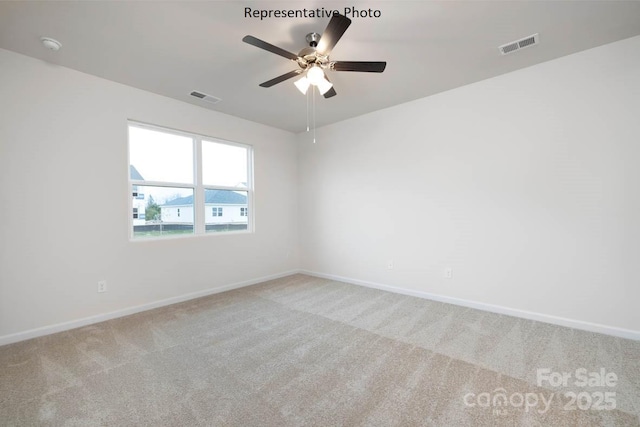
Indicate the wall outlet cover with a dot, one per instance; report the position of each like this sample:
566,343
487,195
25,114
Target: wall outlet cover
102,286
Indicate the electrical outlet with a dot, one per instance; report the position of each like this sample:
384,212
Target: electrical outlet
390,265
102,286
448,273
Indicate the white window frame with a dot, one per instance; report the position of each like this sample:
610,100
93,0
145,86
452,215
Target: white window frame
199,208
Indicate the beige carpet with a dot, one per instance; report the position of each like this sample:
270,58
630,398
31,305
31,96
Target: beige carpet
304,351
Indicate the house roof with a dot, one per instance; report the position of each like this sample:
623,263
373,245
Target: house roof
212,197
134,174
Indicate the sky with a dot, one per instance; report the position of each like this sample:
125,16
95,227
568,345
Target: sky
160,156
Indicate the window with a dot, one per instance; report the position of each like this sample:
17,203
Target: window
181,183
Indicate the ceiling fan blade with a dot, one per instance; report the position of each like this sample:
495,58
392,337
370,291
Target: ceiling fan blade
269,47
281,78
362,66
331,92
335,29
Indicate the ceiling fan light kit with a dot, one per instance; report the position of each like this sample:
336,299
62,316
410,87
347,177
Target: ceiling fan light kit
315,77
314,60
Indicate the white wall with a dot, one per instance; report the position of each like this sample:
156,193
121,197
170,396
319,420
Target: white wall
63,134
527,184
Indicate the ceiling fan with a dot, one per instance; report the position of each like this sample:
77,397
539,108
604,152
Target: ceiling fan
314,60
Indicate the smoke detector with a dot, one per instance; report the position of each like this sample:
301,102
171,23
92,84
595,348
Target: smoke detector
51,44
511,47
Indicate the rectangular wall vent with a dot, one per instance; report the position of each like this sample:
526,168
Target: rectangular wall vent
519,44
207,98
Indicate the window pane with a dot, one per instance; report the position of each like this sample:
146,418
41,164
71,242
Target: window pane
225,210
224,165
162,211
160,156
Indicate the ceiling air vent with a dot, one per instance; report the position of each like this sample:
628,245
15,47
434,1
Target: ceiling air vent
205,97
519,44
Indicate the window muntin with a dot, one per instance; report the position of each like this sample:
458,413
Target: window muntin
173,204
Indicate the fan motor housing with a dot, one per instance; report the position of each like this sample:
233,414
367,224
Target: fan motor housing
309,55
307,52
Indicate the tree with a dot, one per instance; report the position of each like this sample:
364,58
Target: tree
152,211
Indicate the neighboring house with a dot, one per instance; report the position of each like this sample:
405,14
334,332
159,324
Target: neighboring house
139,202
221,207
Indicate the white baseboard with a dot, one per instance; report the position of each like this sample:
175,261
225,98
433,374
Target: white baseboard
65,326
570,323
530,315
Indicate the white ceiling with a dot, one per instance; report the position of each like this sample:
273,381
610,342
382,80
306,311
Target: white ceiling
172,48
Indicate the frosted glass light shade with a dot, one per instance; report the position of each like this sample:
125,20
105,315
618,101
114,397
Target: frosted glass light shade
302,85
315,75
324,85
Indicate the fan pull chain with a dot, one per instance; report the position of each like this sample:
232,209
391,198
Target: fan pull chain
308,96
314,114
